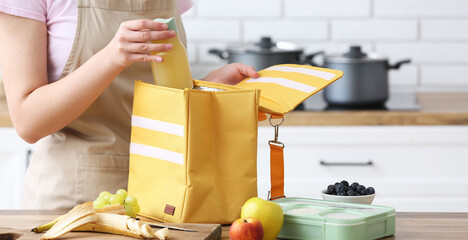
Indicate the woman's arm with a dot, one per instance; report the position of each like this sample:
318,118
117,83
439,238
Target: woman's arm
231,73
37,108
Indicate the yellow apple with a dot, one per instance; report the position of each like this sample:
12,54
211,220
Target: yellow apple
269,213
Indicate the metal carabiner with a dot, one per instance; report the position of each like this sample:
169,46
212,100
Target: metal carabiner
276,126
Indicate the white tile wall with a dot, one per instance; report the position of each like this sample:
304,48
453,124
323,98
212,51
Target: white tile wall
239,8
327,9
291,30
370,29
421,8
442,29
433,33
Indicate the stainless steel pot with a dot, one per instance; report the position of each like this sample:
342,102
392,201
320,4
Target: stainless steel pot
365,80
262,54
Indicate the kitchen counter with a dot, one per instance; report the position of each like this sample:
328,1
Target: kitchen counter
436,109
421,226
18,223
409,226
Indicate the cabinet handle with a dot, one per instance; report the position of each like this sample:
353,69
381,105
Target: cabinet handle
368,163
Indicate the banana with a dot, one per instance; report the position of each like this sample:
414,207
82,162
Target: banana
112,220
162,234
85,218
118,224
92,227
116,208
147,231
135,226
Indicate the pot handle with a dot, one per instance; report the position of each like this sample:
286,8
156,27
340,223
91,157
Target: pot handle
398,64
219,53
309,59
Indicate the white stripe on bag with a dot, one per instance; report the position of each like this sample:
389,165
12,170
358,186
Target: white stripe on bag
156,125
285,83
312,72
159,153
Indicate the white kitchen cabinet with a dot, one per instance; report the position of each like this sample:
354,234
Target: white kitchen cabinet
412,168
14,154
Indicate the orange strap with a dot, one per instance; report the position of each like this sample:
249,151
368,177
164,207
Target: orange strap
262,116
276,171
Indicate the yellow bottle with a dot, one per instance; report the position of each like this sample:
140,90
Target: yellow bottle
174,71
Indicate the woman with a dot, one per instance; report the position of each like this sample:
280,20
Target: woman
68,70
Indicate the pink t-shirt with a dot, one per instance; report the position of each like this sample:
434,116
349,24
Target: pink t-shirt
60,17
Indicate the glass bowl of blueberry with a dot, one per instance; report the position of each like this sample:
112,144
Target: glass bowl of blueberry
349,193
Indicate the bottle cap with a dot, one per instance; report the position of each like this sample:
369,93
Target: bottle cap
171,23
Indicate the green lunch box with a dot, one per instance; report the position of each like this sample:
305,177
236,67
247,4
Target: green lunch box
306,218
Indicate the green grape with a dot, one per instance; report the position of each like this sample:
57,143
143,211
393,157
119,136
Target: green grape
116,199
99,203
131,200
103,193
129,210
107,197
136,208
122,193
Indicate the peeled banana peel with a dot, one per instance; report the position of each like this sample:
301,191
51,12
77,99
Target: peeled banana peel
85,218
116,208
78,216
47,226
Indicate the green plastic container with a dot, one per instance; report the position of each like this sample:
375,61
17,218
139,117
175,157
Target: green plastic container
306,218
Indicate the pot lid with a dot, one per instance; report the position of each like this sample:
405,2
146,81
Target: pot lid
355,55
265,46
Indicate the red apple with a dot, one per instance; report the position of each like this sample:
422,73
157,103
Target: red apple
248,228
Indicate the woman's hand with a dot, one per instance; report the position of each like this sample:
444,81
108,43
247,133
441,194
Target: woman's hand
231,74
131,42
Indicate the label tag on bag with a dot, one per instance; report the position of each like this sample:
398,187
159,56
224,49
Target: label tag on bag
169,209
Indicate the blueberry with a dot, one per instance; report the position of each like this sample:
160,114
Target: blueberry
360,187
370,190
351,193
344,182
331,189
336,184
341,194
363,191
340,188
354,185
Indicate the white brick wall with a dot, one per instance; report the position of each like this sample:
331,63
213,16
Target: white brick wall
421,8
327,9
371,29
444,30
239,8
432,33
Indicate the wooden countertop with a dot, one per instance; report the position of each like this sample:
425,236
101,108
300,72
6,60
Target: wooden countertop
409,226
436,109
20,222
421,226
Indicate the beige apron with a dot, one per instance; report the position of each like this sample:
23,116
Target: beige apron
90,155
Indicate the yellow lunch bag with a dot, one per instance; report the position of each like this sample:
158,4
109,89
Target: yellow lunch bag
193,152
